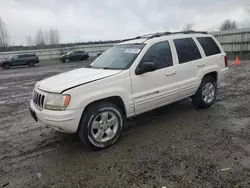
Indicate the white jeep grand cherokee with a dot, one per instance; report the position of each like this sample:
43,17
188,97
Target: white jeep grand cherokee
131,78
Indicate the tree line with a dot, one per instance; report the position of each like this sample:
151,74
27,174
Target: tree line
51,38
47,37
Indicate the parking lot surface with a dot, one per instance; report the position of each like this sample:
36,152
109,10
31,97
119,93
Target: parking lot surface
174,146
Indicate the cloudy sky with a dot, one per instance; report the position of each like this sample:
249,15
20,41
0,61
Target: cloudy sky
85,20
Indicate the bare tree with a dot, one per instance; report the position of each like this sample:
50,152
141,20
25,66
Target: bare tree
46,37
228,25
39,38
57,36
54,36
247,9
188,27
30,41
3,34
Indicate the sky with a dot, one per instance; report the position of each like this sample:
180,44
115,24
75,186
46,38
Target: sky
88,20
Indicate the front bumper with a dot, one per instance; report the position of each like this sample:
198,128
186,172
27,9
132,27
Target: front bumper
64,121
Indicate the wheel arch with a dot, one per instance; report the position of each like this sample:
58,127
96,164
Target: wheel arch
117,100
213,74
7,63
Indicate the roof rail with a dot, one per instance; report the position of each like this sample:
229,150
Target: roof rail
154,35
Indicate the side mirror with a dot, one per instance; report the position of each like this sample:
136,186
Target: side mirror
145,67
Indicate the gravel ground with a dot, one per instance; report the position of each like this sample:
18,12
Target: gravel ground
174,146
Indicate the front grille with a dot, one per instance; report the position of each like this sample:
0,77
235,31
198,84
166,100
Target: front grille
38,100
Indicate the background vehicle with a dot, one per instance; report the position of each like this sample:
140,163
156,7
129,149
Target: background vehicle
17,60
133,77
74,56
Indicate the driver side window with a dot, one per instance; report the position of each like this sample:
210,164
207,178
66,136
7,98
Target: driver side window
75,53
15,57
160,54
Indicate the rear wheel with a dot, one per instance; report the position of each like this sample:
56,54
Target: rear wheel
6,66
31,64
84,58
101,125
206,94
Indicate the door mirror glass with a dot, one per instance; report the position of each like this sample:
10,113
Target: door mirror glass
145,67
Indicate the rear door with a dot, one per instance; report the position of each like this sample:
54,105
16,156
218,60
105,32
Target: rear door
190,61
23,59
154,89
75,55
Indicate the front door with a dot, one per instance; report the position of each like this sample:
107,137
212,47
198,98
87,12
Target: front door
154,89
15,60
75,55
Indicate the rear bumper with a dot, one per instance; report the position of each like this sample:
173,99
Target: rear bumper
223,74
64,121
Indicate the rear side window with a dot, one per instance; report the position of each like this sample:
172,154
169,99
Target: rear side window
186,50
22,56
209,46
77,52
26,55
160,54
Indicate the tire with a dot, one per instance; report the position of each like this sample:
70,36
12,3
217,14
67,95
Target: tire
66,60
31,64
6,66
206,94
93,128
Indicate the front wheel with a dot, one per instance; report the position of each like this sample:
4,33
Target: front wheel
31,64
101,125
6,66
206,94
66,60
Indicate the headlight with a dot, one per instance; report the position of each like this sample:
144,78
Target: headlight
57,101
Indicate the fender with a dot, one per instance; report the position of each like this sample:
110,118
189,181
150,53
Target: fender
207,70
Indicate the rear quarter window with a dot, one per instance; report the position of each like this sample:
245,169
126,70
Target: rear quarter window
186,50
26,55
209,45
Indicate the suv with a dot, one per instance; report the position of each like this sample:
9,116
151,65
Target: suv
17,60
74,56
133,77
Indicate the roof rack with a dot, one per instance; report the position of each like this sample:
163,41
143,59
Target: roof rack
154,35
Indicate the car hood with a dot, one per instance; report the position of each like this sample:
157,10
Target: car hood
74,78
5,60
62,56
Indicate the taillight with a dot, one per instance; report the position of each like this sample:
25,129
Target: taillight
226,61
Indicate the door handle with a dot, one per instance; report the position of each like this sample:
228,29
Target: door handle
201,65
171,73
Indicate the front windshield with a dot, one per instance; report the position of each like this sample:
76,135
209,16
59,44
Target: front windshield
69,52
118,57
14,57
